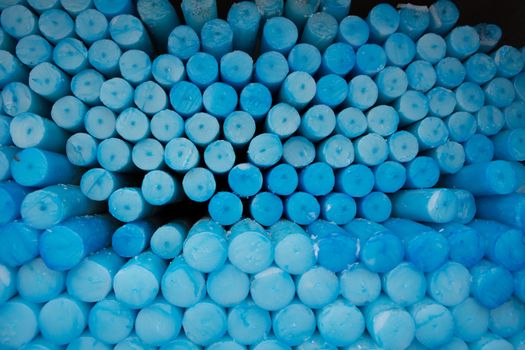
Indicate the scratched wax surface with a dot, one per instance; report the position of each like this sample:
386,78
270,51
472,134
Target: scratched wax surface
290,176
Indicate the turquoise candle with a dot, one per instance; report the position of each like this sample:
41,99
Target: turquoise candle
294,314
51,282
129,33
91,25
340,59
391,83
114,155
55,25
114,8
396,282
158,323
424,247
167,240
430,132
505,208
362,92
337,151
470,97
443,16
282,179
517,340
506,144
421,76
265,150
431,48
299,11
244,18
228,287
298,89
422,172
305,58
340,333
81,150
270,8
383,20
182,285
440,288
202,69
135,66
499,92
256,100
489,36
317,179
434,323
353,30
365,291
412,106
18,322
449,156
337,8
462,42
320,30
182,342
202,129
295,264
101,267
236,68
116,94
356,180
148,154
219,156
204,237
375,206
506,320
266,208
8,286
478,149
331,90
238,128
6,156
19,244
371,149
480,68
110,321
12,69
19,98
350,122
196,13
450,72
86,86
132,238
166,125
382,120
245,179
18,21
150,98
219,99
470,328
508,60
127,204
160,17
217,37
32,50
298,151
250,261
441,102
205,323
272,289
363,341
167,70
104,55
390,176
132,125
466,245
303,214
183,42
491,340
399,49
225,208
248,324
68,113
413,20
492,285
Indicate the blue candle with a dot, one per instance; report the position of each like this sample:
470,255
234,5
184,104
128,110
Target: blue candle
508,60
244,18
132,238
506,209
480,68
300,11
431,48
239,128
137,283
434,323
302,208
270,8
492,285
337,151
317,179
32,50
375,206
466,206
413,20
68,113
506,320
196,13
282,179
383,21
202,69
86,86
205,323
236,69
445,293
135,66
489,36
71,55
266,208
412,106
245,179
441,102
496,177
166,125
19,243
466,246
271,344
295,264
422,172
317,123
87,341
363,341
338,58
320,30
148,154
371,149
518,340
256,100
250,261
167,70
132,125
271,69
81,149
246,224
478,149
7,43
114,155
129,33
127,204
101,267
519,85
298,151
202,129
18,21
450,72
150,98
282,120
183,42
359,285
31,130
450,157
350,122
430,132
6,156
180,342
382,120
110,321
362,92
443,16
114,8
248,324
375,240
356,180
116,94
104,56
182,285
158,323
18,322
433,205
12,195
353,30
265,150
514,115
8,286
399,49
225,208
219,99
339,208
204,237
405,284
390,176
160,188
19,98
462,42
55,25
216,37
305,58
49,81
470,97
186,98
340,333
337,8
424,247
12,69
25,162
50,282
294,324
507,144
160,18
421,76
392,82
167,240
499,92
91,25
298,89
331,90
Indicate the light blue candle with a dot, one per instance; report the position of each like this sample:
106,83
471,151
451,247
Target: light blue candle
331,90
104,56
49,81
183,42
135,66
462,42
12,69
340,333
350,122
18,21
114,8
265,150
210,314
441,102
518,340
399,49
181,343
507,319
110,321
129,33
167,70
244,18
166,125
228,287
246,224
492,285
374,240
353,30
91,25
305,58
430,132
81,150
298,151
272,289
339,208
197,13
294,314
470,328
132,125
297,239
32,50
421,76
250,261
298,89
202,129
182,285
55,25
449,156
158,323
271,344
382,120
8,285
167,240
383,20
508,60
367,288
19,98
317,123
317,179
519,85
114,155
492,341
363,342
422,172
337,8
186,98
219,99
470,97
282,179
86,86
480,68
320,30
375,206
412,106
160,188
270,8
405,284
391,83
340,59
71,55
12,195
181,155
506,208
450,72
304,213
236,68
238,128
371,149
362,92
150,98
431,48
19,243
489,36
128,204
282,120
248,324
390,176
18,322
514,115
204,237
202,69
424,247
68,113
356,180
434,323
337,151
116,94
160,17
50,282
256,100
6,156
271,69
413,20
216,37
148,154
499,92
466,206
478,149
132,238
440,289
266,208
31,130
506,144
443,16
300,11
87,341
100,267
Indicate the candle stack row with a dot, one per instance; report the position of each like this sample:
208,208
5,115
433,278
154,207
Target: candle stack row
363,179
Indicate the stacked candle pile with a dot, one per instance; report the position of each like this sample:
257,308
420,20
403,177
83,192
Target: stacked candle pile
363,178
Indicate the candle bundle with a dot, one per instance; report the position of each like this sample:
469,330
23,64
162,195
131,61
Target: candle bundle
362,179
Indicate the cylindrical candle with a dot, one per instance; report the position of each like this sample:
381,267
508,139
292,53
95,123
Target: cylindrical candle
434,323
167,240
132,125
71,55
443,16
375,206
340,59
362,92
116,94
55,25
248,324
8,286
399,49
196,13
479,148
86,86
225,208
244,18
440,288
441,102
12,69
383,20
422,172
450,72
371,149
413,20
295,237
110,321
439,205
266,208
492,284
390,176
135,66
91,25
160,18
148,154
182,285
167,70
337,151
33,49
19,98
81,149
166,125
6,157
337,8
403,275
236,68
132,238
68,113
50,282
114,154
480,68
466,245
499,92
294,314
216,37
391,83
158,323
356,180
367,288
250,261
129,33
18,21
421,76
299,11
205,323
305,58
128,204
19,244
340,333
18,322
331,90
320,30
270,8
104,56
462,42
